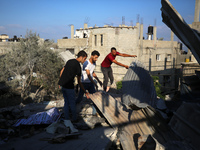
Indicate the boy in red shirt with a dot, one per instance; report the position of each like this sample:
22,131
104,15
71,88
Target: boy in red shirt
106,66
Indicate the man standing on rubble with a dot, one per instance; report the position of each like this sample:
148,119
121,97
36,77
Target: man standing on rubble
88,74
106,67
71,70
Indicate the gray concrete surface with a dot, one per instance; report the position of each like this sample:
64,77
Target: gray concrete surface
98,138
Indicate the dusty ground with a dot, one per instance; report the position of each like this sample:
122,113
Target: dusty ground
97,138
98,135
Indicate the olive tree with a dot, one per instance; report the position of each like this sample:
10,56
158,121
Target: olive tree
31,61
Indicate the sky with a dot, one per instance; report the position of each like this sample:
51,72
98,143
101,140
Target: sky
51,19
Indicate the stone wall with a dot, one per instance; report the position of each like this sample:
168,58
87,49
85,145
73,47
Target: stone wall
123,39
76,44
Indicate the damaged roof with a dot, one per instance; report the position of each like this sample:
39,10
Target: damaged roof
189,36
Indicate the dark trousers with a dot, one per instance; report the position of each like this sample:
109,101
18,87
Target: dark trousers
87,86
70,103
107,73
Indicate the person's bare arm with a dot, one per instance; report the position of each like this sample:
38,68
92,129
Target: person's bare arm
90,78
126,55
62,71
81,85
120,64
95,76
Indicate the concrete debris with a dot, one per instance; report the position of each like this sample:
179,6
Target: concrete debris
176,145
187,119
58,131
142,128
57,127
138,87
93,121
10,115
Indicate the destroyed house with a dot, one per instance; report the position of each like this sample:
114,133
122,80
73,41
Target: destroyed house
162,58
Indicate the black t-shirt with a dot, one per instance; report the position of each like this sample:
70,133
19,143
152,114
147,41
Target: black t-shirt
72,69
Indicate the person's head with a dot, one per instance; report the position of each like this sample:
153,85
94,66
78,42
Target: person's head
94,56
82,56
113,51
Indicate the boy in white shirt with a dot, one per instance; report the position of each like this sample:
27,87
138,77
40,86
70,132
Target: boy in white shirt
88,74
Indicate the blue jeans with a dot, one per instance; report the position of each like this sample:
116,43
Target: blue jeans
87,86
70,103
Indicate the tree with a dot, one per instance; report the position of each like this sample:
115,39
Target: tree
157,86
30,56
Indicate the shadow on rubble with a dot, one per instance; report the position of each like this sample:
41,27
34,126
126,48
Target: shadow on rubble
145,127
144,124
24,125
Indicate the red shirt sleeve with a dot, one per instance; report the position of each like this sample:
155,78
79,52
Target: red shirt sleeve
111,57
108,60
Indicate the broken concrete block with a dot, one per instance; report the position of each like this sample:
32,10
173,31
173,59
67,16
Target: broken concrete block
92,121
89,111
52,128
186,123
57,127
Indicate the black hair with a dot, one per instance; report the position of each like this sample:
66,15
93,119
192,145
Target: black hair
95,53
82,53
113,48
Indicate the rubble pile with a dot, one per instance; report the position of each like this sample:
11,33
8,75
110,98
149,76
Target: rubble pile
26,121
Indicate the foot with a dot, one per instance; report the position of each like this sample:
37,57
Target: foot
108,88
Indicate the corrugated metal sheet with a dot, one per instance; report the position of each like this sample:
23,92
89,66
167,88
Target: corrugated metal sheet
176,23
138,87
186,122
129,122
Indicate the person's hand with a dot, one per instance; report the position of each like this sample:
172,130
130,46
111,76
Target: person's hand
134,55
126,67
87,95
101,84
96,87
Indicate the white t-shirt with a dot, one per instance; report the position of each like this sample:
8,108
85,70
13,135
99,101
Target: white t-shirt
87,65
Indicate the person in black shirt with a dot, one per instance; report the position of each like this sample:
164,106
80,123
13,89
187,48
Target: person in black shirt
71,70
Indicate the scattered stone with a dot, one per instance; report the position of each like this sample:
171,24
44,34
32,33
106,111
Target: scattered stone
94,120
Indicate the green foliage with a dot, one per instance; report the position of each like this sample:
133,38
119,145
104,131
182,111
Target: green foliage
28,56
157,86
119,85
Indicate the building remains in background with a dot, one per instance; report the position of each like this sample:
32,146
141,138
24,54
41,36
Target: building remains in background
162,58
